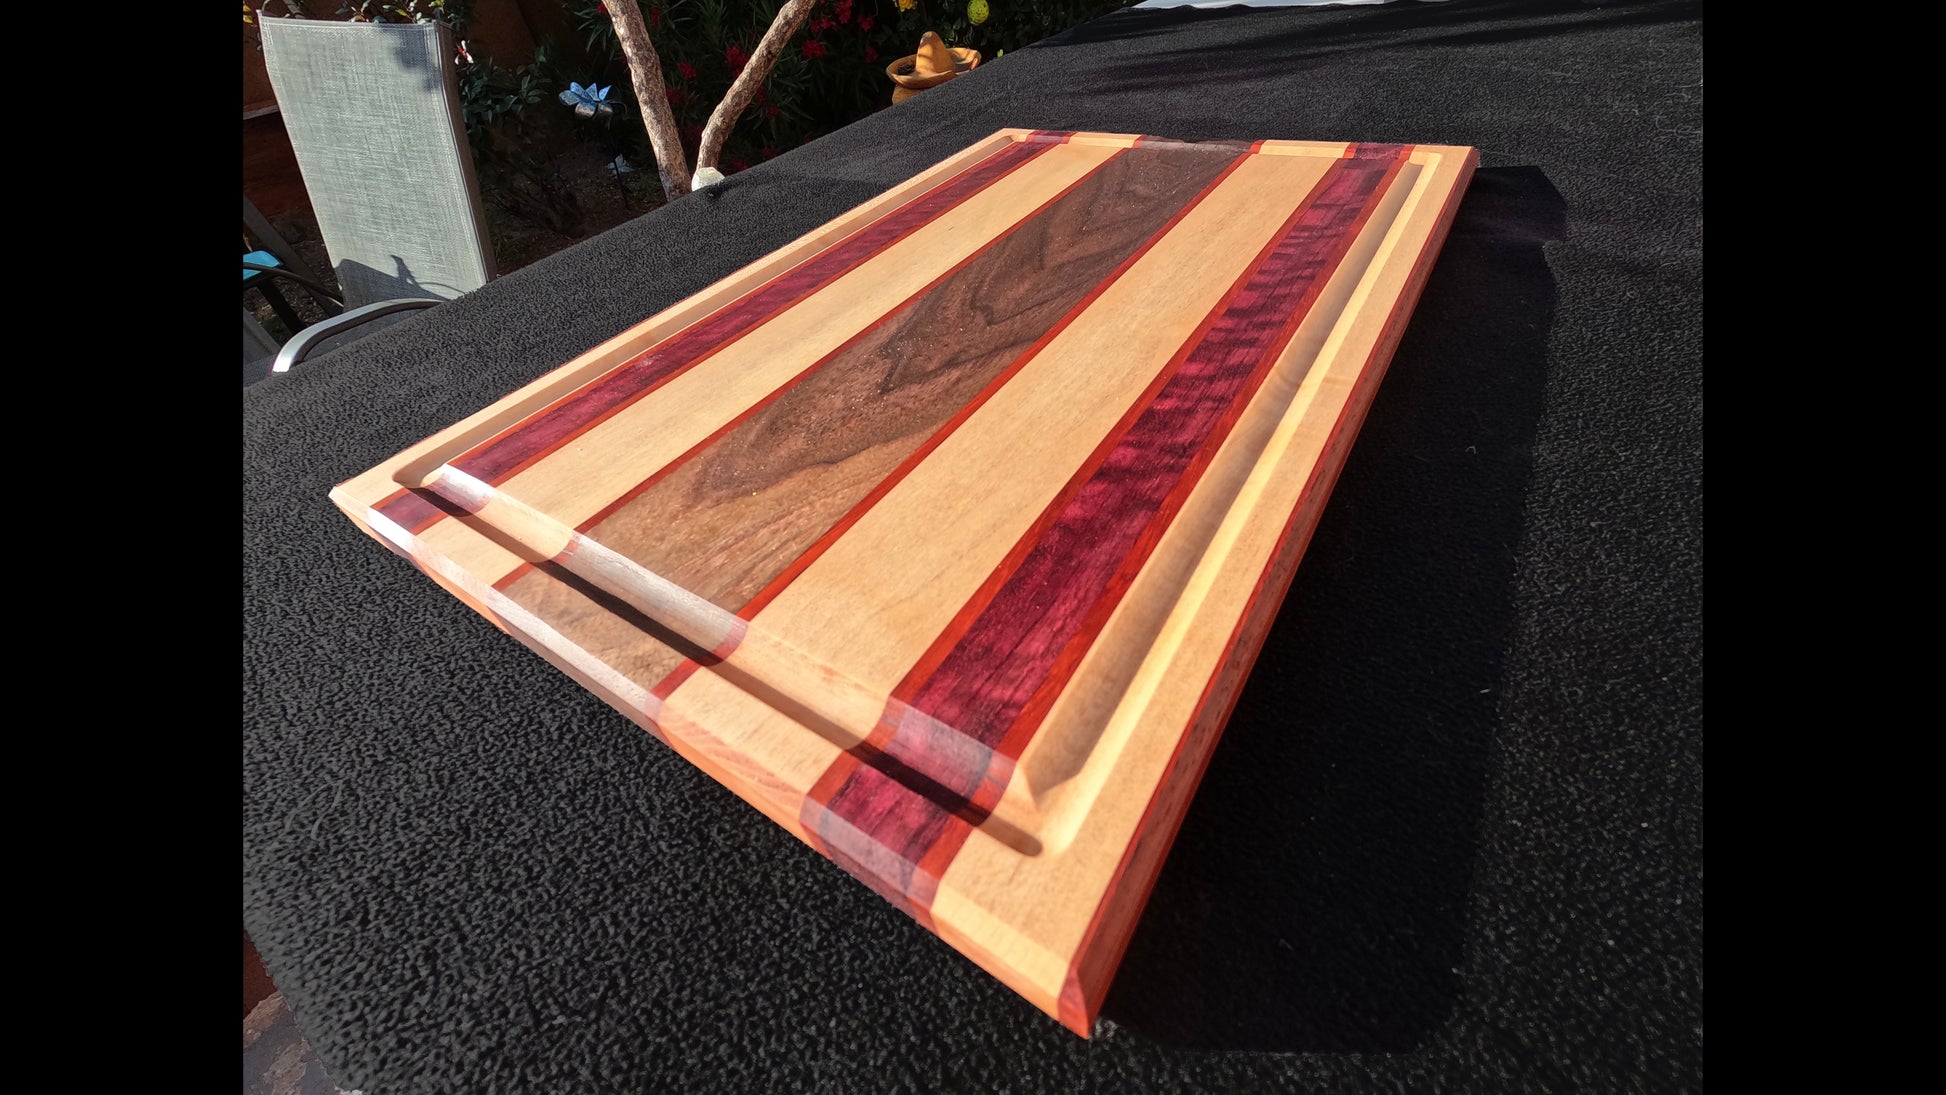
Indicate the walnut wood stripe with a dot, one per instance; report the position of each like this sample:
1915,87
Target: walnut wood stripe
532,439
991,675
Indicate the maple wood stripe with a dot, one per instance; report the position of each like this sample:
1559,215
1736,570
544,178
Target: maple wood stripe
873,823
1089,972
527,442
1005,659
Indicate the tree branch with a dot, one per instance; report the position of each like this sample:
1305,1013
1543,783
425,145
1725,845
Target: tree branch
724,118
645,72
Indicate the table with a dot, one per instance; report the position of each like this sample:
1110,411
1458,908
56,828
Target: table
1453,832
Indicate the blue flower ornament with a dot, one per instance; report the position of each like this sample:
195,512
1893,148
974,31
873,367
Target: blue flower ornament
588,102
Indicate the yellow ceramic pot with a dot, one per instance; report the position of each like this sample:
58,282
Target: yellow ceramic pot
932,65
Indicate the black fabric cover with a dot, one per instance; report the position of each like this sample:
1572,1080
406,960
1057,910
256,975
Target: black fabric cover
1452,839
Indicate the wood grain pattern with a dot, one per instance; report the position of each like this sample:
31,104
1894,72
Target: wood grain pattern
946,536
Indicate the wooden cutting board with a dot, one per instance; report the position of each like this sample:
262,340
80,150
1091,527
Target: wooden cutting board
946,535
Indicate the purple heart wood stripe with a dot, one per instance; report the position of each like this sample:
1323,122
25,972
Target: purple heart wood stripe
992,674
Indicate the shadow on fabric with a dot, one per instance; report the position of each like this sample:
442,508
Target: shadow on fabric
1316,897
1363,26
364,284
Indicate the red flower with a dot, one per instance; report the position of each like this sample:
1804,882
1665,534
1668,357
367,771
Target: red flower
688,70
675,95
766,152
771,111
763,93
871,54
602,7
736,163
864,22
844,11
736,58
655,18
820,25
813,49
691,133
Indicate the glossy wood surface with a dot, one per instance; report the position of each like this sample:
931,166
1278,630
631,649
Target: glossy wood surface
946,535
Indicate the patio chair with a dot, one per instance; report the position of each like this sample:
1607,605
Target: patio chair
373,114
273,268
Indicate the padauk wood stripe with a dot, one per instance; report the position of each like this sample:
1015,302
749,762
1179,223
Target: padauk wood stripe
1003,660
521,445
